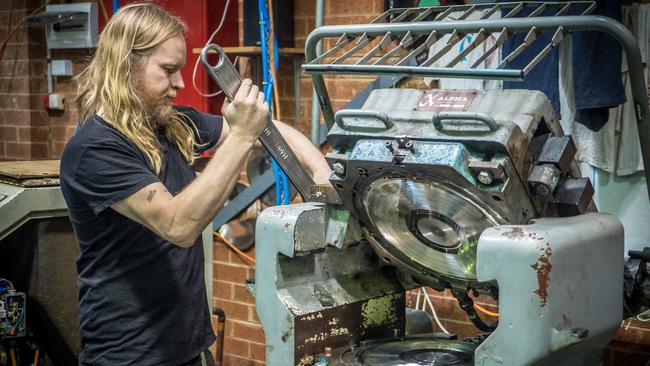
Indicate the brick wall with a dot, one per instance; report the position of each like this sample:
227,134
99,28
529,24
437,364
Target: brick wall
27,130
24,129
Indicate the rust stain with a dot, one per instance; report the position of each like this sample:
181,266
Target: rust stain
516,233
543,269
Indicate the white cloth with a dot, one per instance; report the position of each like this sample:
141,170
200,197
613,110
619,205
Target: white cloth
615,148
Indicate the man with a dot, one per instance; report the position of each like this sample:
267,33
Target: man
134,201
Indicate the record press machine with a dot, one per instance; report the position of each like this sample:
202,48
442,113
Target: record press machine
475,191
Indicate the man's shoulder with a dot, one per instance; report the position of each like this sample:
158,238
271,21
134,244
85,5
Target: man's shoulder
93,134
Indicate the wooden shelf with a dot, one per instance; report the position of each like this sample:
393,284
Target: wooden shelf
254,50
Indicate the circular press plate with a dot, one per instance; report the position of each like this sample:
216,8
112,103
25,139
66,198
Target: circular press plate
411,352
426,224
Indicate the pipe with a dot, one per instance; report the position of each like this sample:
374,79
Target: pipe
220,334
315,106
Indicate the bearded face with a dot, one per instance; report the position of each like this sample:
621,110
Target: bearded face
157,78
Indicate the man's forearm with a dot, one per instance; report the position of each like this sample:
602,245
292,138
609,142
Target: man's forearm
308,154
199,202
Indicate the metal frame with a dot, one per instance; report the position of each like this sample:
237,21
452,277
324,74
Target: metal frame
559,25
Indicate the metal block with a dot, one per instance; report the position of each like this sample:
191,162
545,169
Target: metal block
543,180
559,151
573,196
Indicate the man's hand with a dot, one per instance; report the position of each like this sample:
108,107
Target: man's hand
247,113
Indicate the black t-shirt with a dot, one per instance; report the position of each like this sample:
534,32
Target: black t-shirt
142,300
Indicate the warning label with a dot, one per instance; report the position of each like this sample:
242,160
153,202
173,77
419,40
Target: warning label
440,100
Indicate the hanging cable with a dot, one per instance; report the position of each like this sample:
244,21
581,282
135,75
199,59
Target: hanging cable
196,64
102,8
274,56
269,64
433,310
13,31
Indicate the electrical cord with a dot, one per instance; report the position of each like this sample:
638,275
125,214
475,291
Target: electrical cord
10,33
196,64
233,247
433,310
485,311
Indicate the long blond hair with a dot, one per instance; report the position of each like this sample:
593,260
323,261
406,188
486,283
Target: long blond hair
134,31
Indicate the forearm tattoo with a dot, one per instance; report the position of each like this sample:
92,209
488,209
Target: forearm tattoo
152,192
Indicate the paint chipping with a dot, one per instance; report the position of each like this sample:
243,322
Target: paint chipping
543,269
516,233
377,311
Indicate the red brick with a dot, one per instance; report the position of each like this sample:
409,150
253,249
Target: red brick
8,133
241,294
14,67
232,360
40,151
60,133
223,290
304,9
14,84
230,273
234,310
252,315
57,150
34,134
258,351
14,101
221,253
18,150
249,331
237,347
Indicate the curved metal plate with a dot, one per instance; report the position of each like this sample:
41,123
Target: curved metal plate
411,352
431,224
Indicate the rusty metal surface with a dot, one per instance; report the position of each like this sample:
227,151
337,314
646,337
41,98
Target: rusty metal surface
381,317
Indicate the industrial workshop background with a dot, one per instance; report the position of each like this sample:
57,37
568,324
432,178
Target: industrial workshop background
29,131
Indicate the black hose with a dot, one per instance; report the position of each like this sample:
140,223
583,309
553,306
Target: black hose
220,334
467,304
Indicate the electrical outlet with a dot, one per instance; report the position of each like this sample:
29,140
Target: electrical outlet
61,68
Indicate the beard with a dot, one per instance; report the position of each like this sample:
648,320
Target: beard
157,109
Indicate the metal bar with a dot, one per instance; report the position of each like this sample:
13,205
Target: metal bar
555,40
405,42
590,9
480,38
453,40
530,38
385,41
342,42
404,14
540,9
514,11
431,39
423,15
563,11
467,13
361,42
499,74
503,37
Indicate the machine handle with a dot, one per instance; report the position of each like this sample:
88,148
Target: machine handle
474,116
362,113
224,72
227,77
